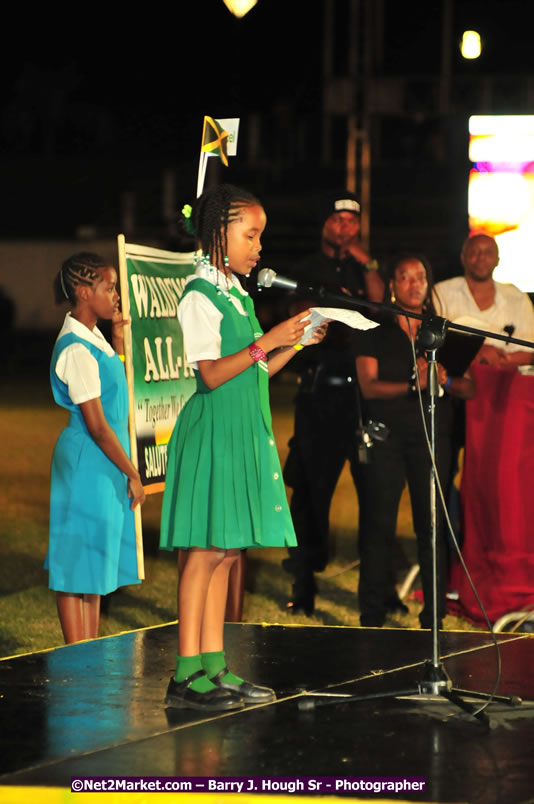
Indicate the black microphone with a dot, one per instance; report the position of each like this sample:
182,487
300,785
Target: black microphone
510,329
268,278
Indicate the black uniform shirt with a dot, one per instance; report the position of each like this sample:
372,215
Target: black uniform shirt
391,347
333,357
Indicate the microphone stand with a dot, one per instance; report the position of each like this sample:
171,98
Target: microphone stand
435,681
433,322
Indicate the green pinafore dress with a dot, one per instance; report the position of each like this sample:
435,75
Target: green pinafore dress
224,486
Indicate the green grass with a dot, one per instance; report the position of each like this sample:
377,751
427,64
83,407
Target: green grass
29,426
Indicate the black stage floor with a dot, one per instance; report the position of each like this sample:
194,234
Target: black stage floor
95,709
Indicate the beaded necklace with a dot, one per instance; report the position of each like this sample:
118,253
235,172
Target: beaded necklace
230,289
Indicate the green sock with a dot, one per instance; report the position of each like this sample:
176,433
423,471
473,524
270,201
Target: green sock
186,666
214,662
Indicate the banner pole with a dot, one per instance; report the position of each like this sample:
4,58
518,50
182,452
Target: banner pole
128,365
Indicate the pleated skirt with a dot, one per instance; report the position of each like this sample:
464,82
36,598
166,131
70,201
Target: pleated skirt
224,486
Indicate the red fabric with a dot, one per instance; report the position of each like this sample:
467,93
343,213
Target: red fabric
497,493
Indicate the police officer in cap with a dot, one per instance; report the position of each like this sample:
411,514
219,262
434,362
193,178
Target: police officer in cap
327,402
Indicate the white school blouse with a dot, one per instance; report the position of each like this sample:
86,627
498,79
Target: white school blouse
199,318
76,366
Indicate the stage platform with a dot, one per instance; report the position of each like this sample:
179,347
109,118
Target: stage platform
96,709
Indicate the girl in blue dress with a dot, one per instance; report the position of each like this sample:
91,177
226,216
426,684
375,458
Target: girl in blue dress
94,484
224,489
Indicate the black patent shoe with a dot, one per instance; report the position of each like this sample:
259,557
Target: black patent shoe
303,604
250,693
181,696
394,605
303,600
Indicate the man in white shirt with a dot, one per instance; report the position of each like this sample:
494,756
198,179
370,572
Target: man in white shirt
477,300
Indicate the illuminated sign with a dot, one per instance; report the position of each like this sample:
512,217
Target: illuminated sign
501,191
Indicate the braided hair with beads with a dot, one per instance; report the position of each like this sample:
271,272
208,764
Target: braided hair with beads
212,212
80,269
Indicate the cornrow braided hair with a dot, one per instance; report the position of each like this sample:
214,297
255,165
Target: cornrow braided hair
80,269
212,212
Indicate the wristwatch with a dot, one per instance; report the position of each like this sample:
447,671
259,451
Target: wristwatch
372,265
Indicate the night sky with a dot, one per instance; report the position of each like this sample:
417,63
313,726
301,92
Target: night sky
147,85
144,82
92,100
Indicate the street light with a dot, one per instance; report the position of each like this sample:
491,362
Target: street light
239,7
470,46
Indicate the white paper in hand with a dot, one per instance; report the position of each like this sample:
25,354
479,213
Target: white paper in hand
349,317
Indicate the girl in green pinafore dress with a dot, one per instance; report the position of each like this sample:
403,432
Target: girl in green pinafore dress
224,489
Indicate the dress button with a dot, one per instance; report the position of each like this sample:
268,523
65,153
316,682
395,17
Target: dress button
277,507
271,442
276,475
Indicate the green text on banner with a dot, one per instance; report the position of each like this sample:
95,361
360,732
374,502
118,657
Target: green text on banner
160,379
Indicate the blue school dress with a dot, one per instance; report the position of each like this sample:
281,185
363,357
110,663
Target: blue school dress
92,533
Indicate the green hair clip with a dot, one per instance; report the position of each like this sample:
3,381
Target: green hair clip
186,212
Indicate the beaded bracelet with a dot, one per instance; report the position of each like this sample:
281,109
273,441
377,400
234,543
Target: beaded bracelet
257,353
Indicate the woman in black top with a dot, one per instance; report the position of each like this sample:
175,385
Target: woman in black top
384,362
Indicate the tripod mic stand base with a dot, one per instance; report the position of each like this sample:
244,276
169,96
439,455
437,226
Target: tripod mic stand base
435,684
435,680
